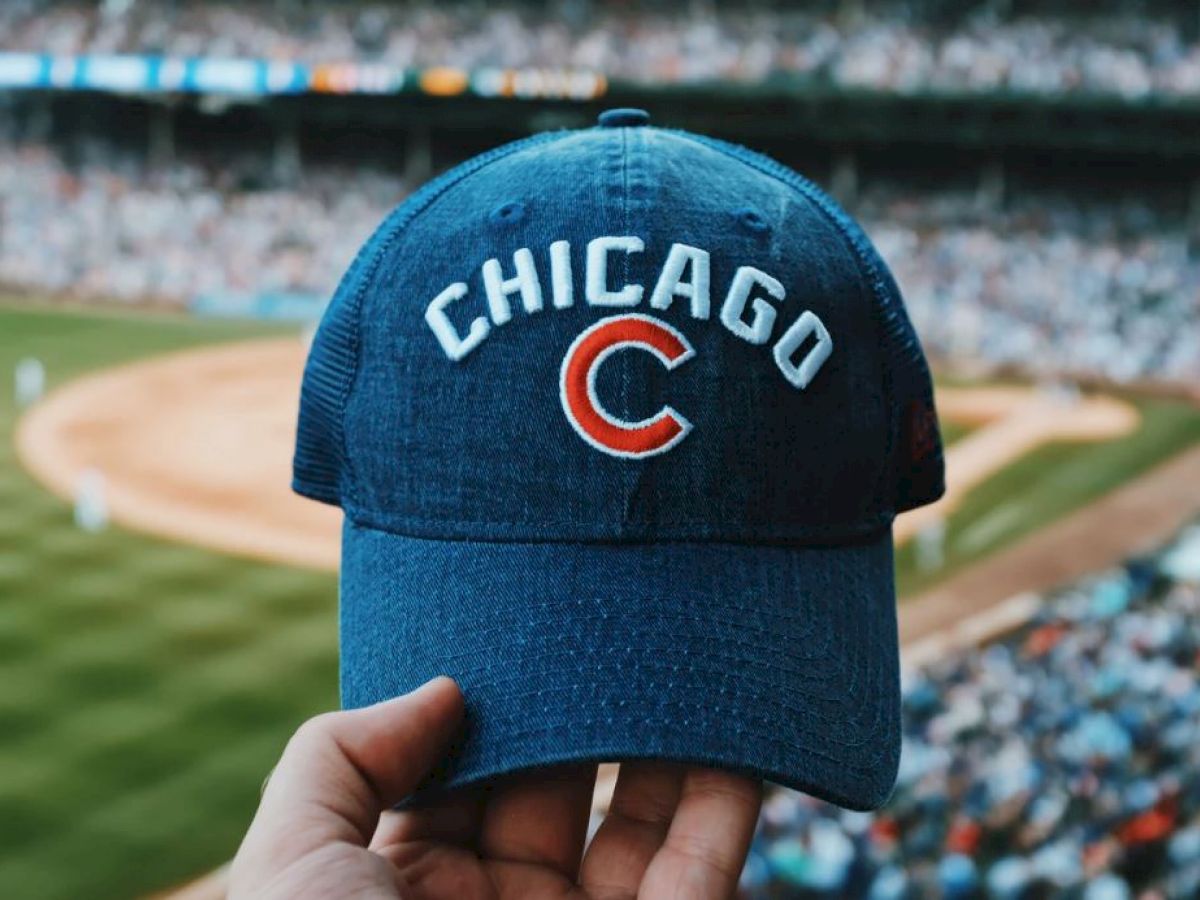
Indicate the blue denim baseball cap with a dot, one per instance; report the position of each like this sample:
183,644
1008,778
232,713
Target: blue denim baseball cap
620,419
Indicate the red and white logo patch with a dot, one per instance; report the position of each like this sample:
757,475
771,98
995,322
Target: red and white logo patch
577,386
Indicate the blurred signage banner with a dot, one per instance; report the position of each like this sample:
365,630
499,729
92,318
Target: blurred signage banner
355,78
268,305
130,74
119,74
227,76
564,84
22,70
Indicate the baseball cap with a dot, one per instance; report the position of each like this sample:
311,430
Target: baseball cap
620,418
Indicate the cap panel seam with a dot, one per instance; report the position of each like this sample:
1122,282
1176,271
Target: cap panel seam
674,531
853,237
625,195
383,239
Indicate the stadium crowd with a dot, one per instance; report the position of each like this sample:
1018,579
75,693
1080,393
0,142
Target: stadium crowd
1047,283
1061,761
106,225
898,46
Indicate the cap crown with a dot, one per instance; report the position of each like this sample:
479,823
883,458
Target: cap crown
620,333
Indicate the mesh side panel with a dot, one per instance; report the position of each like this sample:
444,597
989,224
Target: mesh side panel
317,465
321,463
917,475
917,462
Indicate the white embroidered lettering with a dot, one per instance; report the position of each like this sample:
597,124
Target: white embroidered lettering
597,290
443,329
802,374
499,288
561,281
758,330
748,310
670,286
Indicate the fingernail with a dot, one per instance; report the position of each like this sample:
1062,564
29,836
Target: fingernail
433,685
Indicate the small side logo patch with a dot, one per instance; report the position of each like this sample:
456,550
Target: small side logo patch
922,431
577,386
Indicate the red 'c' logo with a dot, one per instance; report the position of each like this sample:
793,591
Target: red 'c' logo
577,386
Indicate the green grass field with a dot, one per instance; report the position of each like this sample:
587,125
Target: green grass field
146,687
1048,483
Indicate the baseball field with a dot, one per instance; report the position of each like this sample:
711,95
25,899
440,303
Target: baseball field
146,685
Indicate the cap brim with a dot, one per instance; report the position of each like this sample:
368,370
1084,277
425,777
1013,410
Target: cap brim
781,662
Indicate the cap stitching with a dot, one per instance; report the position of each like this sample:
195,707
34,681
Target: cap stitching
785,705
871,728
370,518
501,628
489,767
849,786
870,762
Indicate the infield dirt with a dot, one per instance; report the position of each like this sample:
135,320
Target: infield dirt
197,445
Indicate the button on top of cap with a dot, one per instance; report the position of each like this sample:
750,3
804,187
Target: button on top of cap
623,118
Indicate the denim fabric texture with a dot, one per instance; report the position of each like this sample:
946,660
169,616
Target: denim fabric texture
728,600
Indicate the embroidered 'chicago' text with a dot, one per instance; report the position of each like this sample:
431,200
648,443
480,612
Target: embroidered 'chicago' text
749,309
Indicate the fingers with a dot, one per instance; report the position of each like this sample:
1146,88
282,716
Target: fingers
706,844
540,819
453,820
636,825
340,770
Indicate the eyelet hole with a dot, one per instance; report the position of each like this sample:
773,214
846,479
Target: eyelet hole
507,213
752,220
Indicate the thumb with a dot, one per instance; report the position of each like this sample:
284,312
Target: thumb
341,770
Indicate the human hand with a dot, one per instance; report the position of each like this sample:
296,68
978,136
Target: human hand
325,827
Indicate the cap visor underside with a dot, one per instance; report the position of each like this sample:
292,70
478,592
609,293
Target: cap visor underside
781,662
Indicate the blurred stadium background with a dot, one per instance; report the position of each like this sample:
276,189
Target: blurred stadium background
176,174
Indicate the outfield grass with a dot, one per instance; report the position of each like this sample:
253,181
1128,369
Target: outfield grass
954,431
145,687
1048,483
